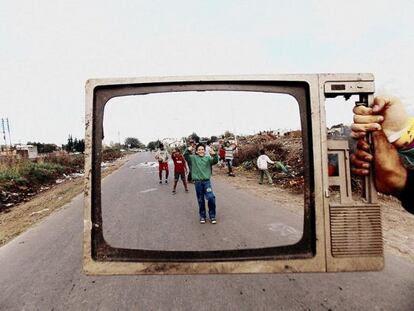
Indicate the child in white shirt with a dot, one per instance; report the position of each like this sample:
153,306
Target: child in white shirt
262,162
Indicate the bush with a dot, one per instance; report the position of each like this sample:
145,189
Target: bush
14,172
72,163
111,154
41,172
10,175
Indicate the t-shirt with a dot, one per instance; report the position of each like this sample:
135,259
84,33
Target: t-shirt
262,162
229,152
179,163
200,166
162,155
222,153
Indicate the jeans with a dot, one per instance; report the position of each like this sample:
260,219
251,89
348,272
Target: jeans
230,165
204,191
262,173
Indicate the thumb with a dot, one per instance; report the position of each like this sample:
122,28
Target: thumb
381,103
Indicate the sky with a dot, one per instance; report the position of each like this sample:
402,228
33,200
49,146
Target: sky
50,48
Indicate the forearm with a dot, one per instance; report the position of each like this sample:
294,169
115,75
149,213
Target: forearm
186,155
391,175
214,159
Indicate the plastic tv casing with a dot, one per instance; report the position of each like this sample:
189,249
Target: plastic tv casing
338,235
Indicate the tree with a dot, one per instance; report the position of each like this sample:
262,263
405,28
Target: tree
228,134
74,145
79,145
69,145
133,142
152,145
213,139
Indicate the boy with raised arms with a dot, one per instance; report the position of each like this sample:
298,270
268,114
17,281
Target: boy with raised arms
201,174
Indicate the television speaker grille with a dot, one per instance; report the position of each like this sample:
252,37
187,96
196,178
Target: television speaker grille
355,231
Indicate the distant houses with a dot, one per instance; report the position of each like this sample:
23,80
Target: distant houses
21,152
27,151
338,131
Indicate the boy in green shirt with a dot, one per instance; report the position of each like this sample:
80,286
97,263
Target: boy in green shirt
201,172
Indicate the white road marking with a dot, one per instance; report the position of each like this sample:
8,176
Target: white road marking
149,190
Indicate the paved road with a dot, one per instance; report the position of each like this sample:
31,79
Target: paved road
138,212
42,268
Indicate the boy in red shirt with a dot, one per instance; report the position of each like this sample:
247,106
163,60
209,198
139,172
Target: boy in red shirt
222,155
180,168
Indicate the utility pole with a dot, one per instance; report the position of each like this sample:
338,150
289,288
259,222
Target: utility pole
8,129
4,132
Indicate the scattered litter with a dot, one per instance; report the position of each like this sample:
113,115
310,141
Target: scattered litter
39,212
148,164
59,181
75,175
9,204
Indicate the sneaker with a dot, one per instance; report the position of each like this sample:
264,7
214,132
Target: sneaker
166,181
202,220
186,190
213,220
160,182
173,192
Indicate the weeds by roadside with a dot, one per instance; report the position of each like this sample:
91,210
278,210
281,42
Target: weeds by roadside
20,179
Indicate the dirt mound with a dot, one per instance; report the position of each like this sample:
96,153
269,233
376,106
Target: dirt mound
285,149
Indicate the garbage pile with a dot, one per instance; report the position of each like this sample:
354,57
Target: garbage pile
287,150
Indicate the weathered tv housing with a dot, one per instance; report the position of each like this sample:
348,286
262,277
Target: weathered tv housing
344,235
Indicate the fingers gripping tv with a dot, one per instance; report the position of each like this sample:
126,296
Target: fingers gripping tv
134,224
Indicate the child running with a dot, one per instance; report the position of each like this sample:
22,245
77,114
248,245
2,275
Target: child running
201,173
180,168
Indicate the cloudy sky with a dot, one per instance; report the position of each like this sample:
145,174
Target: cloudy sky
50,48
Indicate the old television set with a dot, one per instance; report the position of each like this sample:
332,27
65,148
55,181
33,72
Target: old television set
341,234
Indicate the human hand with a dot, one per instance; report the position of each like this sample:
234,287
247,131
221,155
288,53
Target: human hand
390,175
387,113
212,152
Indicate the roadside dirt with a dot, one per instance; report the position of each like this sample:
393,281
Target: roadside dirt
398,225
21,217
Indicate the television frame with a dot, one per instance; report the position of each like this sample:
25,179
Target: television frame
315,252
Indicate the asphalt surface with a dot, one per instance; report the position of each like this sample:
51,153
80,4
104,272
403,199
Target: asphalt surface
138,212
42,268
